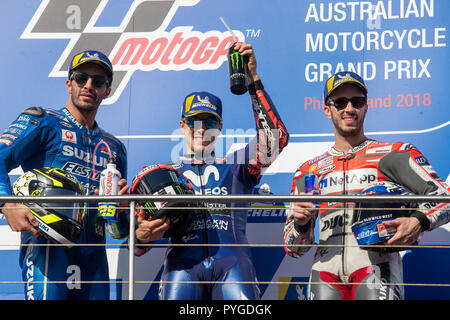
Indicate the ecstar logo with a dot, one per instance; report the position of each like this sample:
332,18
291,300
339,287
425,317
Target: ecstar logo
140,42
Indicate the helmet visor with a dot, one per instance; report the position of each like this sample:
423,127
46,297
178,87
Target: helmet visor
158,179
71,210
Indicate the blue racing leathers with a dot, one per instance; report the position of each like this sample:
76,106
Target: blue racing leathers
48,138
220,225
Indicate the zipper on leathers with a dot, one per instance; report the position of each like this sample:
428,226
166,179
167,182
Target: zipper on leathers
345,158
205,212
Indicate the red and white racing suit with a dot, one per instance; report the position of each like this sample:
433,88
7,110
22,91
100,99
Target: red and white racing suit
339,269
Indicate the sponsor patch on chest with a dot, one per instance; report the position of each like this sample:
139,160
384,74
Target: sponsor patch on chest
339,181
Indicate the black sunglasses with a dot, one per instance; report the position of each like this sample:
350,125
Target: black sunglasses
81,78
341,103
210,123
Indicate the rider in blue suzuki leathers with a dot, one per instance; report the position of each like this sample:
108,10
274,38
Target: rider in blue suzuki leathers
222,224
64,139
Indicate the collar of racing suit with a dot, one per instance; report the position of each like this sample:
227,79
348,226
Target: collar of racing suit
94,131
199,160
360,146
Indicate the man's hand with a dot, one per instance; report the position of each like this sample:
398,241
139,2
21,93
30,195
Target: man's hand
20,218
123,189
303,211
407,231
246,50
149,231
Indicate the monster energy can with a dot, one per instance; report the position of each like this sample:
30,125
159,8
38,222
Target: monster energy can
236,68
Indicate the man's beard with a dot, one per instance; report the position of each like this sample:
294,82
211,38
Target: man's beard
82,106
348,131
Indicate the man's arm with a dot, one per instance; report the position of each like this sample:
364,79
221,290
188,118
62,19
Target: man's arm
149,231
300,222
20,141
272,135
407,166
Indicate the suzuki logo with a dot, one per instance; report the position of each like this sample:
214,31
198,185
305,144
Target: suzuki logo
140,42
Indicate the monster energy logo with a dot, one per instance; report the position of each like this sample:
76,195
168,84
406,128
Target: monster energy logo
239,60
179,189
149,206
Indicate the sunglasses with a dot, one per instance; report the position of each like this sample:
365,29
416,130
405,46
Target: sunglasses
210,123
341,103
81,78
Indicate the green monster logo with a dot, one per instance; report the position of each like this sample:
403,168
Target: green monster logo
179,189
150,208
239,60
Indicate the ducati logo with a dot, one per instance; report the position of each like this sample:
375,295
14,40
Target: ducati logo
140,42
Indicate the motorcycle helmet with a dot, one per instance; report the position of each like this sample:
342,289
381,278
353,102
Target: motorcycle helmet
59,222
165,180
368,228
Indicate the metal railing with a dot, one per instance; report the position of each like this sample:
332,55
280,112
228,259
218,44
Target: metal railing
230,198
133,199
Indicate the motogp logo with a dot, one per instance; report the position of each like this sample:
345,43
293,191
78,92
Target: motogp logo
140,42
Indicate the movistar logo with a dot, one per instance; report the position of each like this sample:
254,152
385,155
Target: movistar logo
202,180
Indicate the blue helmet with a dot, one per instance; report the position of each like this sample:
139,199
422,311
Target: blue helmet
368,228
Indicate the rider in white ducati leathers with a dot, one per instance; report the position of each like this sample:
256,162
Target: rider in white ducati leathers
341,269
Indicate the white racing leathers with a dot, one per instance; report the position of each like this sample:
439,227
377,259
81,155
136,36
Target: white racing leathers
341,269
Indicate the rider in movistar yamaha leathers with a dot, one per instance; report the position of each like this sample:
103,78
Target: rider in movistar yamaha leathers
64,139
238,173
